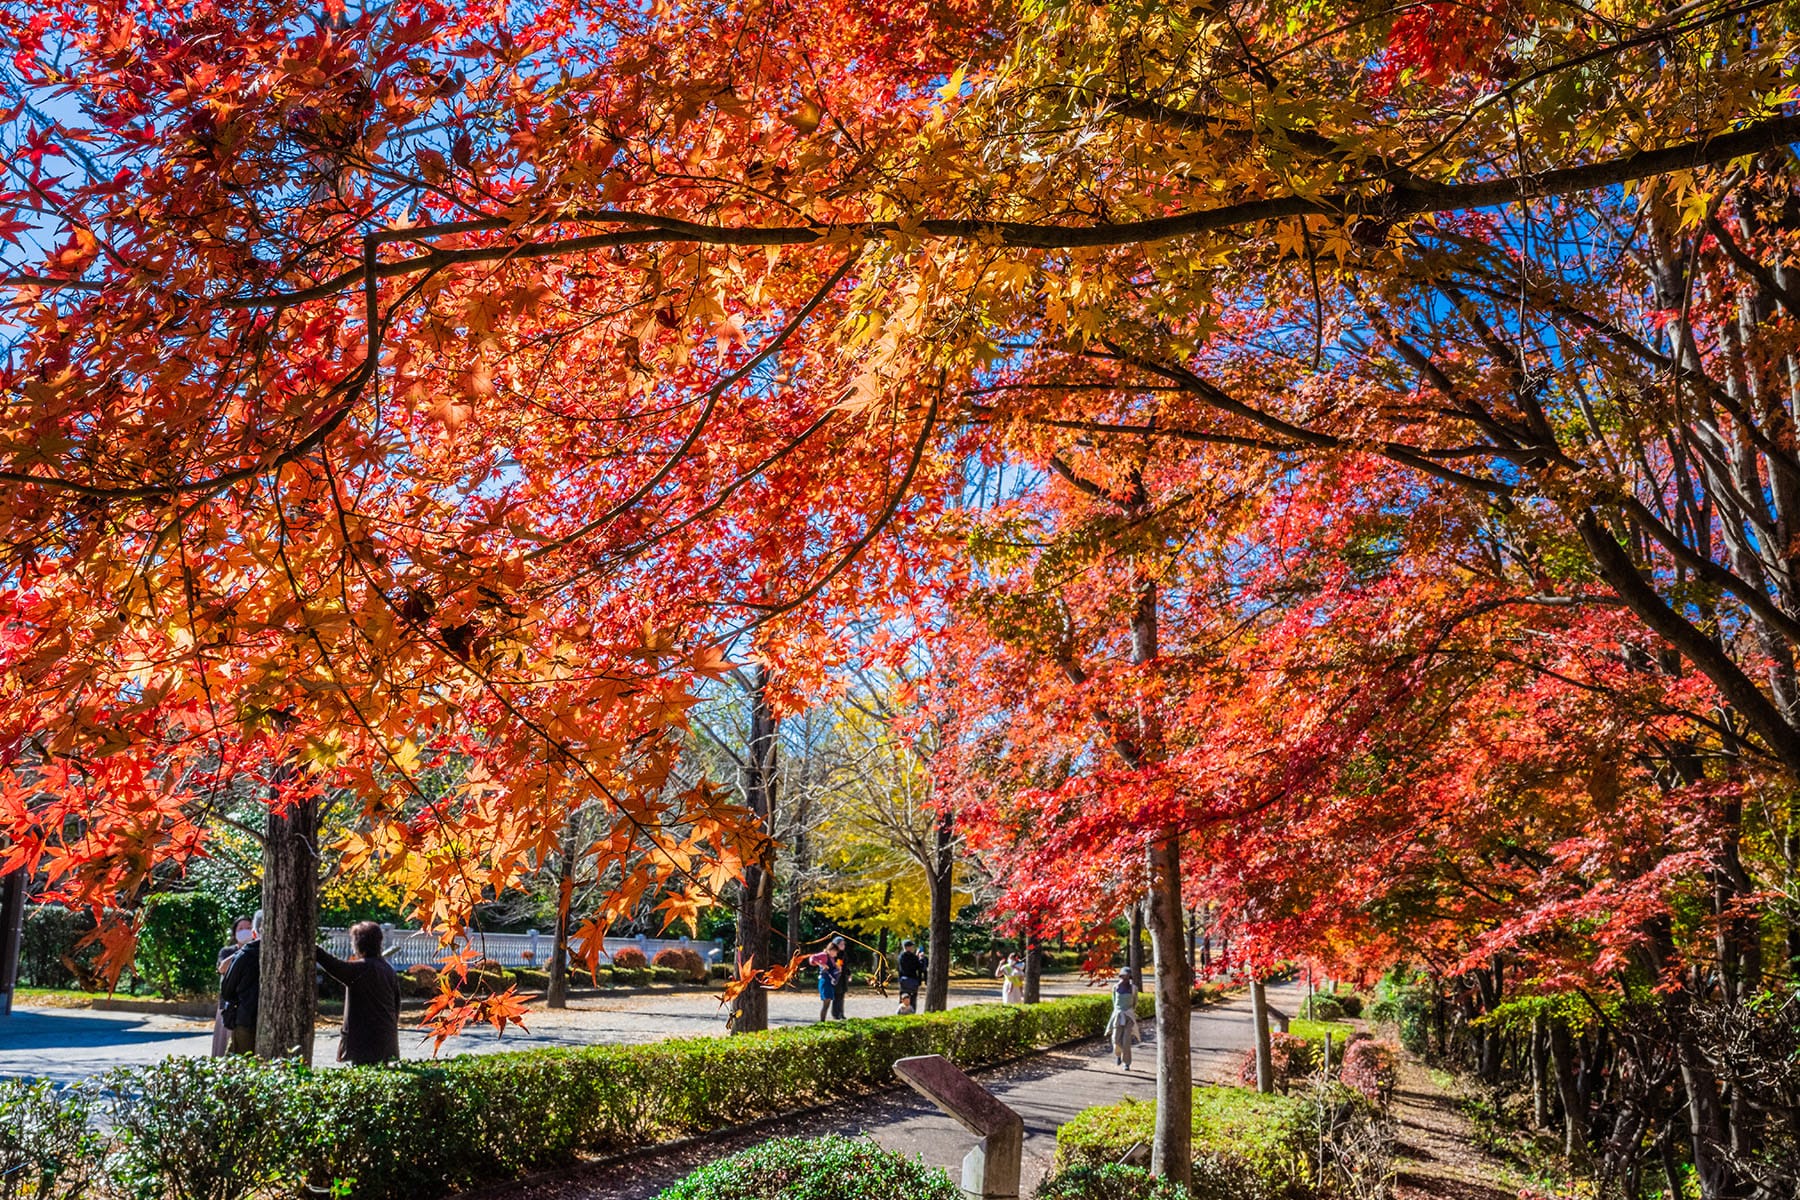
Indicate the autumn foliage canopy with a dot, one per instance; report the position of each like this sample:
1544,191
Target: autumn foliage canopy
414,401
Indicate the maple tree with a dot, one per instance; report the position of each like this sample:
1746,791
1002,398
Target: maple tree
435,388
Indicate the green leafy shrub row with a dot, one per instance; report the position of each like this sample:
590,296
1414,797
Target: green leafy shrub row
827,1168
224,1129
422,981
1246,1146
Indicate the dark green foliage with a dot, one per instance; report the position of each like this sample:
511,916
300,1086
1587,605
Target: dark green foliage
1113,1181
1351,1003
1325,1007
47,1151
53,933
204,1128
1403,1001
179,942
827,1168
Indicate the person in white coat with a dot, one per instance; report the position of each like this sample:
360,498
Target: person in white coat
1121,1027
1012,979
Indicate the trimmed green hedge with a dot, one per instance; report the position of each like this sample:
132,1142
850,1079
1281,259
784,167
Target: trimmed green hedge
1246,1146
422,1129
827,1168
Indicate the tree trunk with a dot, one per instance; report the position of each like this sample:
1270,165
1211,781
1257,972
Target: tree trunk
557,994
1259,1017
942,878
1706,1121
290,931
756,898
1034,965
798,934
1171,1152
1540,1083
1134,949
1562,1058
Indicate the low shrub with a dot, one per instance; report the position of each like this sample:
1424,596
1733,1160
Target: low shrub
1292,1060
203,1128
1351,1003
1371,1068
1209,993
1114,1181
1324,1006
667,975
686,962
1246,1146
724,971
630,957
47,1150
419,981
827,1168
625,976
532,979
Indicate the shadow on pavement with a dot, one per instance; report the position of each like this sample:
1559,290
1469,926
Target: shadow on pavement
36,1029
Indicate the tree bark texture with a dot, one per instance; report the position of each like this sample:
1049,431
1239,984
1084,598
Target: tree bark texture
756,898
1259,1017
942,880
1171,1153
290,931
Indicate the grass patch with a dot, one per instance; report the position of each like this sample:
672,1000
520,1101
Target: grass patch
1315,1031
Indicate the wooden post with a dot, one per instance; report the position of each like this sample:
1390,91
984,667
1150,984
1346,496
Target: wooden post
991,1170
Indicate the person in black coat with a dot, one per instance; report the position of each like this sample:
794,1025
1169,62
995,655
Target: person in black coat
371,998
240,991
840,953
912,970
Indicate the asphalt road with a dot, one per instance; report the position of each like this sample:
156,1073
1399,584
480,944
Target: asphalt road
68,1044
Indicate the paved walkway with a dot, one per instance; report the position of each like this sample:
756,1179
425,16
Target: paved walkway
1047,1090
67,1044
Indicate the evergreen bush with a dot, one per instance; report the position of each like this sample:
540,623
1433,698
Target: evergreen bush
827,1168
179,941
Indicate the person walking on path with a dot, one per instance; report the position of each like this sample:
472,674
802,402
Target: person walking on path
827,962
840,983
1012,979
241,936
912,970
371,998
240,991
1122,1026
